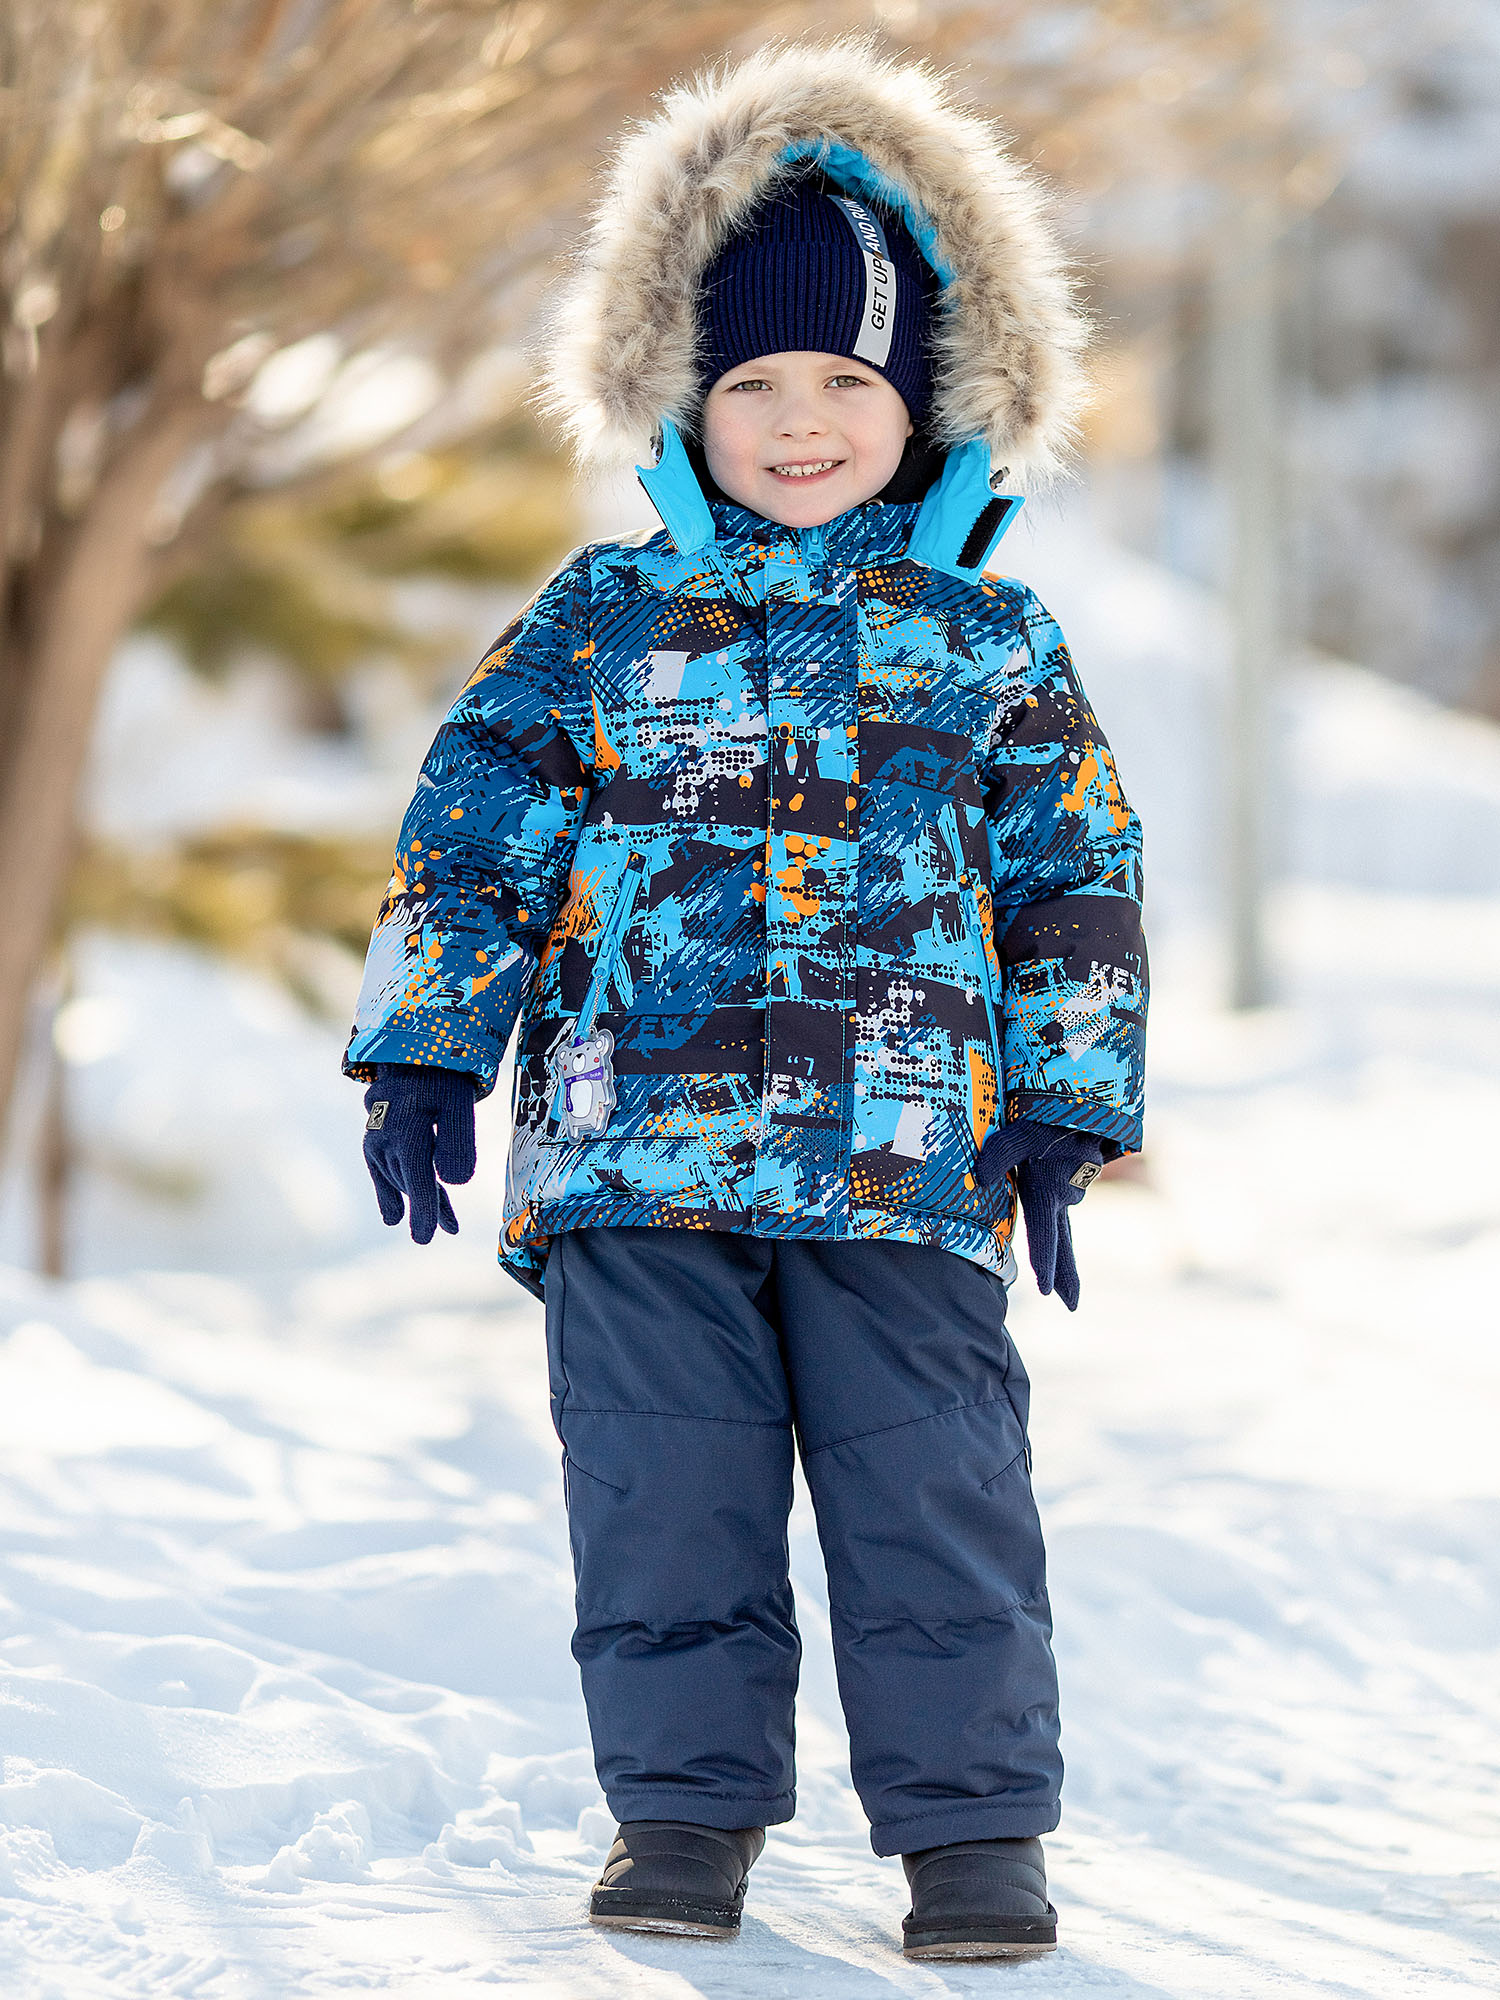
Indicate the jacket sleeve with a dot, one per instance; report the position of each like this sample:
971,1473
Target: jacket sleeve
482,861
1065,853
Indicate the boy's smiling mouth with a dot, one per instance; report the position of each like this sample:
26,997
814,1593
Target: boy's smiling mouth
807,469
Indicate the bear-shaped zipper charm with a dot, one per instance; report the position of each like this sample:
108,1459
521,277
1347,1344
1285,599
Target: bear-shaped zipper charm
584,1084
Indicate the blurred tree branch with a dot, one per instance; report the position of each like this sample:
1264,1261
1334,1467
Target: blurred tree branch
306,576
187,193
294,905
197,203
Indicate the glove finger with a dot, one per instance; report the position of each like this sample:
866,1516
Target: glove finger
1041,1234
392,1206
1066,1277
446,1218
454,1155
414,1173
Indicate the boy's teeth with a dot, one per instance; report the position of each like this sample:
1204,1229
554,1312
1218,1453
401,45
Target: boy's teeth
805,471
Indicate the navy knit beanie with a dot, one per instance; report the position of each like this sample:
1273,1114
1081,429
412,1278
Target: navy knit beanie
818,271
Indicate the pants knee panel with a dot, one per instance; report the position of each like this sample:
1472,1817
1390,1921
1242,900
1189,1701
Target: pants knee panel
674,1521
932,1521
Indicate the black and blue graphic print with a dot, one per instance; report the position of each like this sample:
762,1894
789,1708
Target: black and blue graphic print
810,855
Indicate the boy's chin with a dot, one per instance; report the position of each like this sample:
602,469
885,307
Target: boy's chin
781,502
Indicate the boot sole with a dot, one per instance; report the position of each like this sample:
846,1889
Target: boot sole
667,1927
976,1948
673,1916
973,1937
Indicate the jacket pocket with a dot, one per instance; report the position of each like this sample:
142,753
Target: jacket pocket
974,922
976,938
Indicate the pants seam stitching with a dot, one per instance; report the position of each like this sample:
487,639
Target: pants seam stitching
979,1618
708,1798
958,1806
883,1430
683,1417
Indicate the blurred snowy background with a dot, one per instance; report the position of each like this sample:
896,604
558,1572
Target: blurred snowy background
283,1650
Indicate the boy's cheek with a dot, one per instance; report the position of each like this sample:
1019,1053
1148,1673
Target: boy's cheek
731,450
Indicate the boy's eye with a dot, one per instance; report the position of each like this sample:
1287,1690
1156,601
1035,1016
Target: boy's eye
750,382
857,380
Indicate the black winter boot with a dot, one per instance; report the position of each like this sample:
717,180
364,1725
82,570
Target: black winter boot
978,1899
669,1875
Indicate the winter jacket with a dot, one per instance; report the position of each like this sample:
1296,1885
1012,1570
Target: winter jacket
797,855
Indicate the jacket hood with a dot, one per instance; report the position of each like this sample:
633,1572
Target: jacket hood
1008,331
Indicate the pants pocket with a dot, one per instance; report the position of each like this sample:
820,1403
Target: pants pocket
573,1471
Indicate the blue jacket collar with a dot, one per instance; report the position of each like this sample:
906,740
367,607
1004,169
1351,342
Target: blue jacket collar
874,529
956,528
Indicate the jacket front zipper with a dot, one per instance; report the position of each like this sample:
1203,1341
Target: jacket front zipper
611,939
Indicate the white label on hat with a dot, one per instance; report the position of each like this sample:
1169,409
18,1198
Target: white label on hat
874,341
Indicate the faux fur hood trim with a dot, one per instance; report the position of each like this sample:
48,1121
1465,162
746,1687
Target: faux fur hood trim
618,356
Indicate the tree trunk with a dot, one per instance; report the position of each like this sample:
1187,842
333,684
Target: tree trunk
1247,442
54,1153
100,581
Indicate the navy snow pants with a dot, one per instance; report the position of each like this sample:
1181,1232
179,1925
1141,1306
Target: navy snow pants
682,1363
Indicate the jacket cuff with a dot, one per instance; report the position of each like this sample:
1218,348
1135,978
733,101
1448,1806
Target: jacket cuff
439,1044
1118,1132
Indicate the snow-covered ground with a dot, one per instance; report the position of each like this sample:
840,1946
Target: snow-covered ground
288,1705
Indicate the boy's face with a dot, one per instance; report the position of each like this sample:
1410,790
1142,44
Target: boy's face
799,438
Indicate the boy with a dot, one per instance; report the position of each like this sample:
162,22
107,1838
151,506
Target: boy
790,837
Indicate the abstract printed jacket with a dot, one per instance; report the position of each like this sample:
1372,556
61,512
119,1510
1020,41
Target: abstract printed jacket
826,841
795,858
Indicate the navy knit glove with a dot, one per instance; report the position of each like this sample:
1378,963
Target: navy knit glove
1054,1165
420,1128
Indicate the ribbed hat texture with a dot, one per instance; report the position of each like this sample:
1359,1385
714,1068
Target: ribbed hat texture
795,279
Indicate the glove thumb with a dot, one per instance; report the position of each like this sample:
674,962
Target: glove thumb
454,1154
